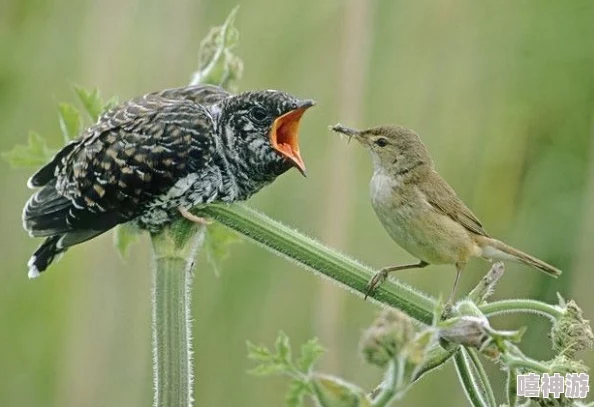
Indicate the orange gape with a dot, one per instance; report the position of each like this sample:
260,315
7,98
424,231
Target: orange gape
284,135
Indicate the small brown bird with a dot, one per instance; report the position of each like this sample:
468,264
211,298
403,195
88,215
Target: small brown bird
420,210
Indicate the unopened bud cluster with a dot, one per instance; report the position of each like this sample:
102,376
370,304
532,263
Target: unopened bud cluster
572,333
385,339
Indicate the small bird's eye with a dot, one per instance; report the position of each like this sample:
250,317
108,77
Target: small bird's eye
382,142
258,114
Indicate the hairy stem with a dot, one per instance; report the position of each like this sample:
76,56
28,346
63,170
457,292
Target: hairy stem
315,256
482,376
172,325
525,363
512,387
390,385
552,312
468,380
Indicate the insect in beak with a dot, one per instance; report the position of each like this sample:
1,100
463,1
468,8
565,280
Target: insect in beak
347,131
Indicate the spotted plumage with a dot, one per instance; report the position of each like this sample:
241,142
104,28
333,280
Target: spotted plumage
148,157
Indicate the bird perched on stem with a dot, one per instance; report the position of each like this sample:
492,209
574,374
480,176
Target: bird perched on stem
420,210
153,158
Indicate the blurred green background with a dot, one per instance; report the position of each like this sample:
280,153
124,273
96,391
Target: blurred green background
502,92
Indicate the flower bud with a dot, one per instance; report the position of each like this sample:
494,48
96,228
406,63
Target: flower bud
465,330
389,334
571,333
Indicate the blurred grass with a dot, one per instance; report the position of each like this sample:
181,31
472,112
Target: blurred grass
502,92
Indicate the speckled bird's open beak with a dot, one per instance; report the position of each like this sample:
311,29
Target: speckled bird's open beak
284,134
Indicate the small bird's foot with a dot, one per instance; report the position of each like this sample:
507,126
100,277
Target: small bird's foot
377,280
447,311
193,218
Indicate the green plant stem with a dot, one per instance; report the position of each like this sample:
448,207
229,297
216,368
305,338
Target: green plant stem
436,357
172,328
467,379
317,257
524,363
482,375
512,388
389,385
175,248
522,306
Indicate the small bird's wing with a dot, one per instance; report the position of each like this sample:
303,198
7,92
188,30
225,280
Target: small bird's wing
135,153
441,196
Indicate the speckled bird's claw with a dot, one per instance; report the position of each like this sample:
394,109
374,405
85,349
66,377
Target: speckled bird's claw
377,280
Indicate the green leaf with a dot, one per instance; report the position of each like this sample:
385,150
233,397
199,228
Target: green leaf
111,103
91,101
217,245
332,391
217,64
70,121
259,353
272,362
310,352
297,389
283,347
125,235
269,369
35,154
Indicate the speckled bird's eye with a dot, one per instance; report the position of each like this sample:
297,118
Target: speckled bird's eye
258,114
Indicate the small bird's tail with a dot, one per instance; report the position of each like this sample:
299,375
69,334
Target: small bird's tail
494,249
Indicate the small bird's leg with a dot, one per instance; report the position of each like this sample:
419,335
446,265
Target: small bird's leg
381,275
193,218
459,268
448,306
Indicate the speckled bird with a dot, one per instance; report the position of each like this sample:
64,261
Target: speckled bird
152,158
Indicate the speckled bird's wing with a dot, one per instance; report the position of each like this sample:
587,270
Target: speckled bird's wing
200,94
135,153
204,95
442,197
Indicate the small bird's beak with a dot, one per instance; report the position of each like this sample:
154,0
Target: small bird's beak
284,134
347,131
